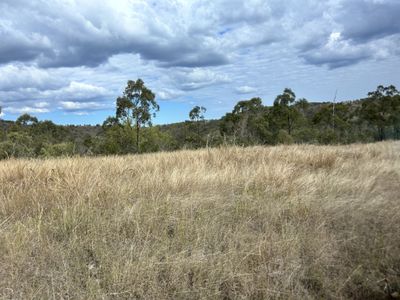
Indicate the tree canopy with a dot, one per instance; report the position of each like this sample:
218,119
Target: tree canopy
137,105
250,122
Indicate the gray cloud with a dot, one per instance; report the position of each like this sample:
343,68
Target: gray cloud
351,32
76,56
198,34
62,34
17,77
363,20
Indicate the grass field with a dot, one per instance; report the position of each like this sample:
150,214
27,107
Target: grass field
285,222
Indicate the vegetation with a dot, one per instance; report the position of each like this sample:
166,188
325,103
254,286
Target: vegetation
282,222
225,222
288,120
136,105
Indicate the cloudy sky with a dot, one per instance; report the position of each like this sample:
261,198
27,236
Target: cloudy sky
68,60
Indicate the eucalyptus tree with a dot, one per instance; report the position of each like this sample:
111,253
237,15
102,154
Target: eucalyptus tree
380,108
136,107
283,109
197,113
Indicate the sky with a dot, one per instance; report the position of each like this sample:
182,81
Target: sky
68,60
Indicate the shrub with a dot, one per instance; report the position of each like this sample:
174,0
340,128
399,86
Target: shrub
284,137
57,150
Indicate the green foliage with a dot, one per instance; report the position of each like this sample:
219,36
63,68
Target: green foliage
197,113
248,106
382,109
250,122
26,119
6,149
137,105
154,140
18,144
247,123
328,136
283,137
119,140
284,114
57,150
305,135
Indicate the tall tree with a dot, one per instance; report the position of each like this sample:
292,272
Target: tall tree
26,120
243,119
283,108
197,113
136,105
378,108
248,106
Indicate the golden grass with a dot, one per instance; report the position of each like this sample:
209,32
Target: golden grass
285,222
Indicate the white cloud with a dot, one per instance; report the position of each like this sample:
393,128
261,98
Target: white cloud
81,91
75,106
76,56
21,77
26,110
245,89
71,33
42,104
198,78
169,94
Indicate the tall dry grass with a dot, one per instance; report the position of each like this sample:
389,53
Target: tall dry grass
286,222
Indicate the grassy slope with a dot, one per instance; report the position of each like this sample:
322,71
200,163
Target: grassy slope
277,222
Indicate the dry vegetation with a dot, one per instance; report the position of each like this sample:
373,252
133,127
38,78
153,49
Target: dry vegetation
284,222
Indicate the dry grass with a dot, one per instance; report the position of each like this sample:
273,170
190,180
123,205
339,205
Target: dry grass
284,222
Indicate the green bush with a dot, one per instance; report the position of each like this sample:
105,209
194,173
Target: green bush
284,137
57,150
6,149
305,135
153,139
18,144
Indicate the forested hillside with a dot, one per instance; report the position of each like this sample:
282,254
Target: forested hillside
288,120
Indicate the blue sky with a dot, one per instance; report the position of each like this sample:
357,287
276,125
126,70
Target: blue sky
68,60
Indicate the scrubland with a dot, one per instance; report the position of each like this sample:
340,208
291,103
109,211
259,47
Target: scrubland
284,222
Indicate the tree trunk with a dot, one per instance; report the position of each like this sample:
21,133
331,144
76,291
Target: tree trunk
289,124
137,137
381,133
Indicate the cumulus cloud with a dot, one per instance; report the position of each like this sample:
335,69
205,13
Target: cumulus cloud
169,94
199,78
337,52
183,33
14,77
42,104
364,20
77,106
245,89
351,32
76,56
26,110
35,108
80,91
33,97
71,33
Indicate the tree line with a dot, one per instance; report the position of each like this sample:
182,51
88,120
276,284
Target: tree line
288,120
